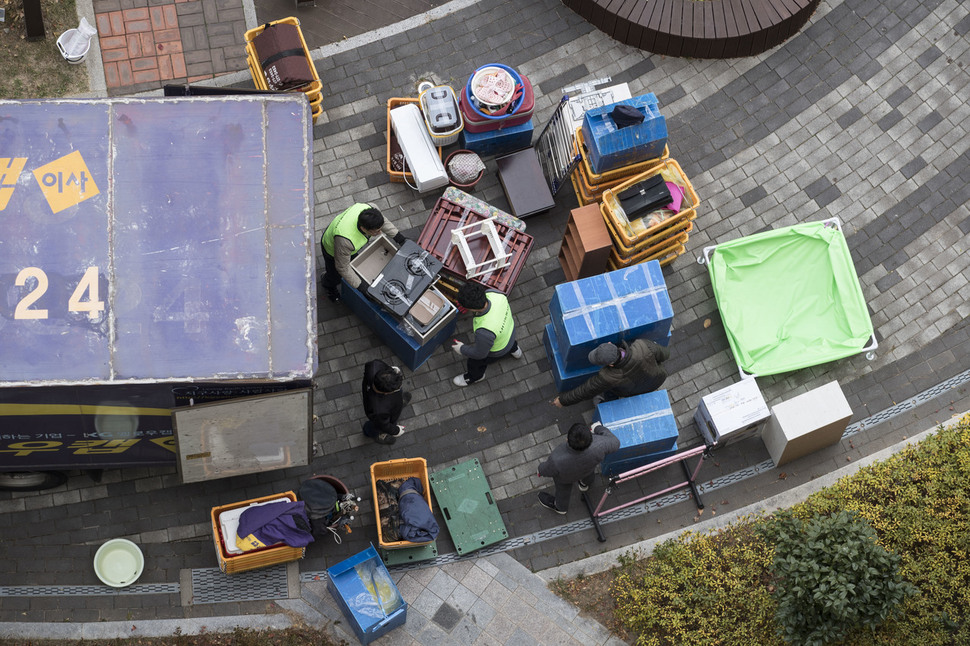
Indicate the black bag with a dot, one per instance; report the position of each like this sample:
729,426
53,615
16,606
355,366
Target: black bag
282,57
626,115
320,498
646,196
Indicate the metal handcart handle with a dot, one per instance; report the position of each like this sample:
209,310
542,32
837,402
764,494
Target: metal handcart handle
700,452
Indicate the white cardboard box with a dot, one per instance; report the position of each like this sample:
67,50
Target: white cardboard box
806,423
733,413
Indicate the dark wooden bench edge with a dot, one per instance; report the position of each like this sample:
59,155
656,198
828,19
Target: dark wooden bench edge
733,32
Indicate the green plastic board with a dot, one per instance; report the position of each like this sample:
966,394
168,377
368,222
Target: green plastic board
409,554
467,506
790,298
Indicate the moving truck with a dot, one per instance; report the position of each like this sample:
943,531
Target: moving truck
157,292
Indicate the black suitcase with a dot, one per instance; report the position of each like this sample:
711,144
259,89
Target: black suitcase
643,197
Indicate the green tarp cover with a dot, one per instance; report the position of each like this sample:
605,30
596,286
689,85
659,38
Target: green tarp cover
790,298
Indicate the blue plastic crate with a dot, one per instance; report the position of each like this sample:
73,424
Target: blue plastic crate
610,467
621,305
497,142
610,147
565,379
367,596
644,423
409,350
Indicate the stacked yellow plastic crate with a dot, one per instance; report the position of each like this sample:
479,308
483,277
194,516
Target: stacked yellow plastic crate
313,90
589,186
660,238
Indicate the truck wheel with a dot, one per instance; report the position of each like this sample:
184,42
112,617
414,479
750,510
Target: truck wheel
31,480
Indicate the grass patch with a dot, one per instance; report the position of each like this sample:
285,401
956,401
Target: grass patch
33,70
723,587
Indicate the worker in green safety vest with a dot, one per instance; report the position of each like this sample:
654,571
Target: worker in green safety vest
344,237
494,331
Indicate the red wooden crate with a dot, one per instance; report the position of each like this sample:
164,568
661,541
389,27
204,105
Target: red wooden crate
436,236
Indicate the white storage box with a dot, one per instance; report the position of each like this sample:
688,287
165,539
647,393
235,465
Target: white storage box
806,423
420,154
733,413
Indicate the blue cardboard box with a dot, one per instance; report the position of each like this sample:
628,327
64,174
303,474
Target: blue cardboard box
645,425
367,596
611,147
391,331
621,305
498,142
565,379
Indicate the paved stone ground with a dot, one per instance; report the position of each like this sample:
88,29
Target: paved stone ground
862,116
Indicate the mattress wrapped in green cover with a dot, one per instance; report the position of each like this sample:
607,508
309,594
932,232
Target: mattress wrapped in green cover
790,298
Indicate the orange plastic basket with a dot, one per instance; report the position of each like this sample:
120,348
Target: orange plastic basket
633,232
233,563
313,90
398,470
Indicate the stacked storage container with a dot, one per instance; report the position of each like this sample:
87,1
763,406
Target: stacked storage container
621,305
497,134
313,90
639,240
590,185
645,426
612,147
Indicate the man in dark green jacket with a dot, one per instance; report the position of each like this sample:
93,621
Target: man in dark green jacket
627,369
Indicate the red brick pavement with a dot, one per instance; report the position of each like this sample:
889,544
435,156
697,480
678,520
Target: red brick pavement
141,45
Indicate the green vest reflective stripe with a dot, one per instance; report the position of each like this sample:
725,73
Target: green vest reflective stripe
345,225
498,319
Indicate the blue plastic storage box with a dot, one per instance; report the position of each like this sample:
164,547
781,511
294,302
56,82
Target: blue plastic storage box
645,425
611,467
621,305
497,142
412,352
366,594
565,379
610,147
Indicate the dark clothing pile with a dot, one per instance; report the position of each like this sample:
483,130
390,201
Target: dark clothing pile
278,522
417,522
638,372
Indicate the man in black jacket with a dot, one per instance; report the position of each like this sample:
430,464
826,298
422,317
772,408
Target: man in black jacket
383,401
627,370
575,463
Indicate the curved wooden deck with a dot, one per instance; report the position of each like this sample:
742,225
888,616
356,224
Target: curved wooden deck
698,28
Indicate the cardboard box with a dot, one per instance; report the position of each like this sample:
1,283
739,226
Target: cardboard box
621,305
733,413
645,425
367,596
806,423
612,147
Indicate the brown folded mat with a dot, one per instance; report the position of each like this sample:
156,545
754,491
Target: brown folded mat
282,57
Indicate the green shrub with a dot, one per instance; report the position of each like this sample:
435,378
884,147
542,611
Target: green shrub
699,589
833,577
